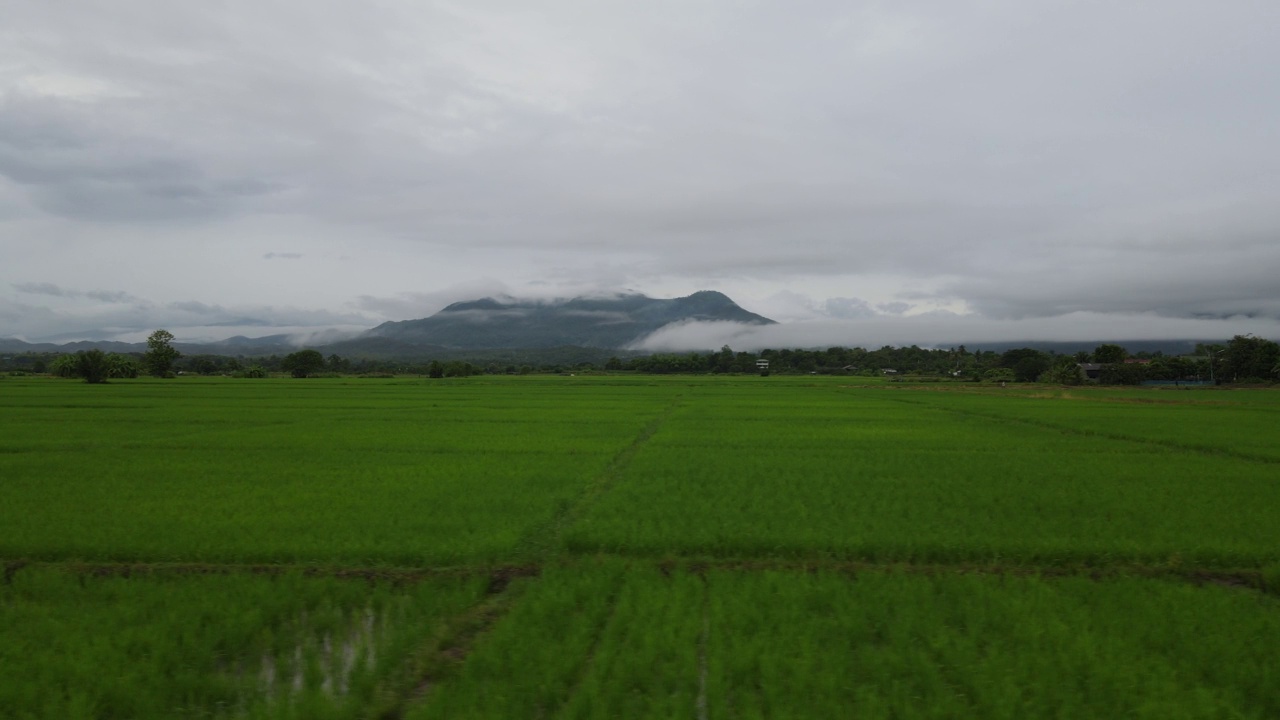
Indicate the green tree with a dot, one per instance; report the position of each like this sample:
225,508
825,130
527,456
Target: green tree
160,353
63,366
999,376
1108,353
1122,374
1027,364
122,366
92,365
303,363
1064,371
1249,357
435,370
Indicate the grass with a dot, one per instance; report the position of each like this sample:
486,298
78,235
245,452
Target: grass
626,546
862,475
171,644
632,641
359,473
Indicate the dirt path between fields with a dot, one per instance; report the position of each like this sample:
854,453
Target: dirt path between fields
544,541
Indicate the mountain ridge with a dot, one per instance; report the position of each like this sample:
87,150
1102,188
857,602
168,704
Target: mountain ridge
606,322
618,321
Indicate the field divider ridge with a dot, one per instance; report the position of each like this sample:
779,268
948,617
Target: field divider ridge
1257,579
440,656
704,648
369,573
1167,444
544,540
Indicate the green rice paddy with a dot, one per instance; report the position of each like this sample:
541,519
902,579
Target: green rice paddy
620,546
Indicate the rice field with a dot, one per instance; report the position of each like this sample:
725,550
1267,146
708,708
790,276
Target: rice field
623,546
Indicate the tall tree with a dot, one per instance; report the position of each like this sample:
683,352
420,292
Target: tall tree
1026,363
303,363
160,353
1109,353
93,365
1064,371
1249,357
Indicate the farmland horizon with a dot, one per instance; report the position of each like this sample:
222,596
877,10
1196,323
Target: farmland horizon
688,332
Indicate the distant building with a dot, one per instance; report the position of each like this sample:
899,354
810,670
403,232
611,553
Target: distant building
1091,370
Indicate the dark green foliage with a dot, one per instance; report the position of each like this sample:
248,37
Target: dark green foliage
1122,374
123,366
1027,364
1000,374
160,354
1250,358
92,365
1065,371
303,363
63,366
1109,353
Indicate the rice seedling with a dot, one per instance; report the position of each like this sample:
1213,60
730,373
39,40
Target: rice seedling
171,644
662,514
861,475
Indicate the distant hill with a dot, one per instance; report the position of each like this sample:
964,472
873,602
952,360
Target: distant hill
239,345
479,327
603,322
581,329
1168,347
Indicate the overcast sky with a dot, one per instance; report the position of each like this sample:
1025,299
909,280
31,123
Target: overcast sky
866,172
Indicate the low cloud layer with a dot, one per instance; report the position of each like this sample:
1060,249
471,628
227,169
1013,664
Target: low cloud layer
947,330
1066,162
114,315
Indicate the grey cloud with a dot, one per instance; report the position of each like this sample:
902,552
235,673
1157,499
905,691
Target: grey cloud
189,320
52,290
197,308
848,308
86,170
1179,283
42,288
107,296
894,308
942,329
1028,160
412,305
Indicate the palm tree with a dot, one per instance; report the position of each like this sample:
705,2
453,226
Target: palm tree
93,365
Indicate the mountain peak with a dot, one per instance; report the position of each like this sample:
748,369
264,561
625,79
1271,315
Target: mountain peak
602,321
485,303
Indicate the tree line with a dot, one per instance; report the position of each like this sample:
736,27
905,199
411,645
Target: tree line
1244,358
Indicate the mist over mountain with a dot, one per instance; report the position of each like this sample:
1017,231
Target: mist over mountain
591,328
611,322
617,321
